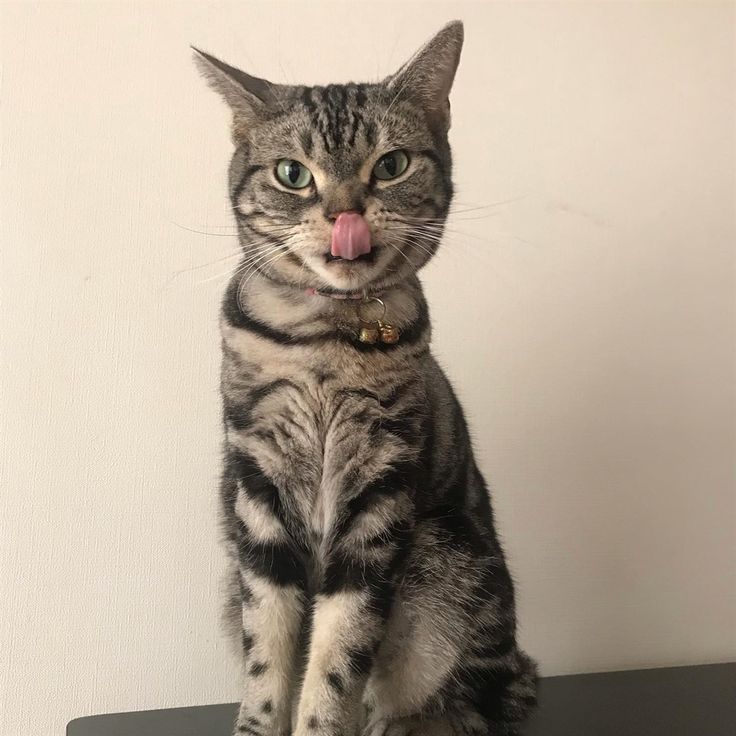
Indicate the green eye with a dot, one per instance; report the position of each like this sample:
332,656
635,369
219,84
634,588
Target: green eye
391,165
292,174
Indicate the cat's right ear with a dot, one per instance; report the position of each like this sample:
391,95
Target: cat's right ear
249,97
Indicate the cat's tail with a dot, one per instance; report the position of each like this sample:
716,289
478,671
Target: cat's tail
503,696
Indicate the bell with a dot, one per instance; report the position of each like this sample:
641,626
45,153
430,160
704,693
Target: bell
369,335
389,334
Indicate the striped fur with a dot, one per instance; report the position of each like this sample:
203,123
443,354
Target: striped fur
369,589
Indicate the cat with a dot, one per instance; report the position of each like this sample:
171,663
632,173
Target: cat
369,590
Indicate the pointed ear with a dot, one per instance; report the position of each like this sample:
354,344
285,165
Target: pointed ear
428,75
249,97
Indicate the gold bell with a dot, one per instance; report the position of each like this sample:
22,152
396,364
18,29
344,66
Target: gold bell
369,335
389,334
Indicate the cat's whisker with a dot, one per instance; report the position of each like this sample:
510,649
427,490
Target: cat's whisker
218,276
399,250
470,207
230,256
229,273
274,225
203,232
262,256
416,244
445,244
439,227
254,253
428,235
251,256
256,269
447,234
237,254
271,227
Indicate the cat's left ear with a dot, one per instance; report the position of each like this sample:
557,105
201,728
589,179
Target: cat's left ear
249,97
427,77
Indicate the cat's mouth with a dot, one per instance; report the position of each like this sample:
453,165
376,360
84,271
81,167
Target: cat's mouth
349,274
369,257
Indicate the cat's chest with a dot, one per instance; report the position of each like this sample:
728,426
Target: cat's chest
311,391
302,412
312,420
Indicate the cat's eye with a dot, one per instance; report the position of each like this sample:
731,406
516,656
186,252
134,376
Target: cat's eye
391,165
293,174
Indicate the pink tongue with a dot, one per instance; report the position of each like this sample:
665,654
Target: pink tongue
351,236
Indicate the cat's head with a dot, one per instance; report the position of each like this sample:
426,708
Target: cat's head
344,187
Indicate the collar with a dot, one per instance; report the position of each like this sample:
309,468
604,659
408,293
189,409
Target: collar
373,328
355,295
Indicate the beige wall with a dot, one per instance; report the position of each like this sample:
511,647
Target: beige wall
585,313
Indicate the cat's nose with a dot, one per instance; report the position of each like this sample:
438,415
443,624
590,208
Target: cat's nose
351,235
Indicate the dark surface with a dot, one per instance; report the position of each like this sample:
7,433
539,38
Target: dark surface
678,701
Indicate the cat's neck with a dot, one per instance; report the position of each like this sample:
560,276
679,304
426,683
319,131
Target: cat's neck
299,312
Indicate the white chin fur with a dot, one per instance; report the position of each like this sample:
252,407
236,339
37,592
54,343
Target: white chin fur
347,276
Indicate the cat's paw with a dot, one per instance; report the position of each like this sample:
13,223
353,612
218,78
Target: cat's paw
316,726
249,729
410,726
251,725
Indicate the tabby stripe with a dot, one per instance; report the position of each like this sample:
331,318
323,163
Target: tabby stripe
305,138
396,533
403,425
246,594
238,318
357,121
371,133
238,414
360,95
494,650
243,181
460,531
349,572
360,661
253,481
432,156
457,489
426,454
399,478
496,585
336,683
274,561
256,670
397,392
266,237
307,100
241,320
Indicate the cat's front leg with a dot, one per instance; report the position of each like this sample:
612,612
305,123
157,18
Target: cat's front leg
272,587
272,615
351,609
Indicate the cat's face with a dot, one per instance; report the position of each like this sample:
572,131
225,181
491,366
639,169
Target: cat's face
336,150
344,187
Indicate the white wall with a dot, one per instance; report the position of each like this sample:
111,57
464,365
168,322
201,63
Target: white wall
585,313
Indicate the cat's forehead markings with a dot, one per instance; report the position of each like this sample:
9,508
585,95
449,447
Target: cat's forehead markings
337,117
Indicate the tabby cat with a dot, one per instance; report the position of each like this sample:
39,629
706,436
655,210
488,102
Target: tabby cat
369,590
